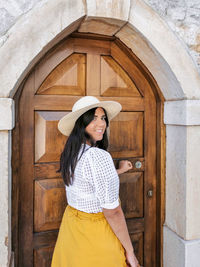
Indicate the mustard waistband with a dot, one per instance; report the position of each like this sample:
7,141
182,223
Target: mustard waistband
82,214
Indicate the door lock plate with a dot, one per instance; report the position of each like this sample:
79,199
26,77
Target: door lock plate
150,193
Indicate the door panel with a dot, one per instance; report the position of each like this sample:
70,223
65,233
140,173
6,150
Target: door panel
49,204
126,139
85,67
138,241
68,78
42,256
46,170
46,132
131,194
114,80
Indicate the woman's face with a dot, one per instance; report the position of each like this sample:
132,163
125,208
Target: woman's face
97,126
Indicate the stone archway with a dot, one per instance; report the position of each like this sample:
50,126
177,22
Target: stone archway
142,30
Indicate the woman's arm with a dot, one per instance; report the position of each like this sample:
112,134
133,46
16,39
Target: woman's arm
116,220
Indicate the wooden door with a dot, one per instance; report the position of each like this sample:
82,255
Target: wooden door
78,67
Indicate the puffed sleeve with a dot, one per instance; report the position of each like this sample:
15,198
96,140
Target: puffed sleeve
106,179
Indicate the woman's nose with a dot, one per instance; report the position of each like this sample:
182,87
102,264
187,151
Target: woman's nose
100,122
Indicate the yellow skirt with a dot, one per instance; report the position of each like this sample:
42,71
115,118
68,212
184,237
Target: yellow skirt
87,240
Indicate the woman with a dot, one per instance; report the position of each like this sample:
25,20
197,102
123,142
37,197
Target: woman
93,232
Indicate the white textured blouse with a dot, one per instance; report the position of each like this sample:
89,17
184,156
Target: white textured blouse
96,182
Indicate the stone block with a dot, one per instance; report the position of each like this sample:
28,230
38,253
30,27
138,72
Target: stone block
183,112
4,195
105,17
173,249
109,9
7,20
176,176
193,15
10,11
178,252
160,6
182,180
193,183
177,13
192,253
189,33
6,114
105,26
159,68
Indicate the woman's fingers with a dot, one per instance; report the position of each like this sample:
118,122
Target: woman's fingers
125,165
129,164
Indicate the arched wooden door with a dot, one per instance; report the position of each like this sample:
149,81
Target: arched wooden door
75,68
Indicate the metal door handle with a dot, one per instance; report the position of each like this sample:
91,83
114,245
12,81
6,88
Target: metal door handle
150,193
138,164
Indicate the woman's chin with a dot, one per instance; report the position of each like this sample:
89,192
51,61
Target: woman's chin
98,138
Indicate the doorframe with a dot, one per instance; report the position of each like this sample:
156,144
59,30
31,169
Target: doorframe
160,150
160,154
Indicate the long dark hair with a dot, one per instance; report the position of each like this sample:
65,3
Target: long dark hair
79,136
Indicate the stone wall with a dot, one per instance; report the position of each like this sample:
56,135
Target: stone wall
183,17
10,12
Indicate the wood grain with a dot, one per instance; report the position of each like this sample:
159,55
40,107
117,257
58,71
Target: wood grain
56,102
49,204
46,132
126,135
26,134
38,188
68,78
46,170
93,74
43,256
131,194
115,81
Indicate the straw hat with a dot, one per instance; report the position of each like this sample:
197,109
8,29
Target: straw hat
66,124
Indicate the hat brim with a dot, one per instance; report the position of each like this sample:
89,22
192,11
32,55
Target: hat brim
66,124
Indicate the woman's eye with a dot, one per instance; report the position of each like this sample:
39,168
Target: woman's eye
102,118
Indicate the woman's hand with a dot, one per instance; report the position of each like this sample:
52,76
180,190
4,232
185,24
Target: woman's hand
124,166
131,260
